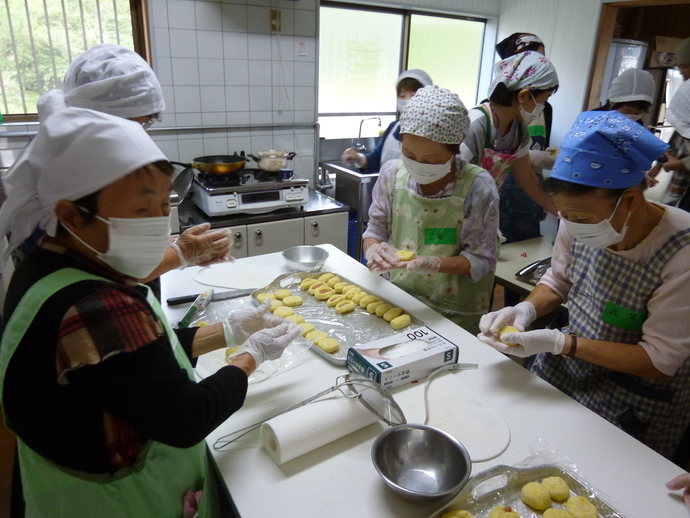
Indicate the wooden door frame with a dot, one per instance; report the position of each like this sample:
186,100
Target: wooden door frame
607,22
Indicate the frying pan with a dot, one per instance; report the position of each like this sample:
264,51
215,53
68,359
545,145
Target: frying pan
217,164
182,183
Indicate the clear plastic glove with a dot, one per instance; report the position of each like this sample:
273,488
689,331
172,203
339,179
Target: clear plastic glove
198,246
382,257
269,344
519,316
243,323
541,159
530,343
681,482
424,264
350,155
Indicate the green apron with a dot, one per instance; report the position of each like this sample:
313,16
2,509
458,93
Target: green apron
433,226
154,486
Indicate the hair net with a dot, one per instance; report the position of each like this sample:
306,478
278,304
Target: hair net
77,152
518,42
437,114
632,85
525,71
608,150
115,80
683,52
415,73
678,111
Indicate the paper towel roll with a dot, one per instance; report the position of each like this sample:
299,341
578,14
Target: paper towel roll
303,430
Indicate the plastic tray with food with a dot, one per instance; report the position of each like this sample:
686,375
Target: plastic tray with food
358,318
500,492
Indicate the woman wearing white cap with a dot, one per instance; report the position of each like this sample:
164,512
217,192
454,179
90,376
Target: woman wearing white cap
98,388
621,263
115,80
433,203
388,147
631,94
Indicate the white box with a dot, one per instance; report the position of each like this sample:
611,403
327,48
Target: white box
402,357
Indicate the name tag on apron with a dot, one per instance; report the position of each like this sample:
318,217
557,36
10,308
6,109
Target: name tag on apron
623,317
440,236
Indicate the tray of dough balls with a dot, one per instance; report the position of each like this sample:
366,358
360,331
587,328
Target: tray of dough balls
546,491
335,313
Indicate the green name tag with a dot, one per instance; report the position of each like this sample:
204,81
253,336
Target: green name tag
440,236
623,317
537,131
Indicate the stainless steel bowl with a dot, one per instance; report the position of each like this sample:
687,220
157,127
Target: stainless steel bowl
421,463
306,258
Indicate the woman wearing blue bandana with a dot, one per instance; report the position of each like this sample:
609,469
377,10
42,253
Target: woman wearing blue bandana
620,262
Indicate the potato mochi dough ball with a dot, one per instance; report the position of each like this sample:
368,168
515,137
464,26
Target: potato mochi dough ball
334,299
458,514
371,308
338,286
229,351
580,507
295,319
359,296
275,304
326,277
328,345
365,301
306,283
281,294
391,314
293,301
332,282
346,306
503,511
557,513
535,495
401,321
507,329
406,255
315,336
556,487
383,309
261,297
308,328
352,292
324,293
318,284
283,312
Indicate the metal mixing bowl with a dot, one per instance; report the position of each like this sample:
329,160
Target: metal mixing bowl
306,258
421,463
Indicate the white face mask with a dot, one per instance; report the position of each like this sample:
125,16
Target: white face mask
136,245
597,235
401,104
632,116
425,174
528,117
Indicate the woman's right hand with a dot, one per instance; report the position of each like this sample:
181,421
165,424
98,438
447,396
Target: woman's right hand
350,155
519,316
382,257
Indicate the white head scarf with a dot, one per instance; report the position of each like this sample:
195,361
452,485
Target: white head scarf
77,152
678,112
527,70
632,85
437,114
415,73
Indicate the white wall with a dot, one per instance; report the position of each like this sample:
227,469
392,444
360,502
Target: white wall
568,29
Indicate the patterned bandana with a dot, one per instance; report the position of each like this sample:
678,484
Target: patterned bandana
518,42
437,114
525,71
608,150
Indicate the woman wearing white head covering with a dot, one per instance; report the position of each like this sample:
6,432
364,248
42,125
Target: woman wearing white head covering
117,423
115,80
388,147
631,94
432,203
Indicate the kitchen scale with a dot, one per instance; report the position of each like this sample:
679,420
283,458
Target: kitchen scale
251,191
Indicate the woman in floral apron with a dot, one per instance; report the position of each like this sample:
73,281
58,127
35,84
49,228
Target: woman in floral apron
621,263
435,204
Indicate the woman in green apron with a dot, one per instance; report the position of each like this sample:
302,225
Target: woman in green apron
435,204
621,263
98,388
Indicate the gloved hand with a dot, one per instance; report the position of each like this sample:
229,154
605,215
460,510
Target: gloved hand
531,342
519,316
424,264
269,344
541,159
197,246
681,482
382,257
350,155
243,323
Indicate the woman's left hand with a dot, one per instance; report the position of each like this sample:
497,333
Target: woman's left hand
529,343
243,323
424,264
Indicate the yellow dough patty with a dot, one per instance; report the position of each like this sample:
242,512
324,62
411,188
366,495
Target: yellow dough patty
293,301
352,292
371,308
306,283
580,507
295,319
536,496
326,277
338,286
557,513
281,294
365,301
261,297
359,296
507,329
401,321
315,336
332,282
556,487
308,328
329,345
283,312
318,284
383,309
391,314
503,511
346,306
406,255
324,293
334,299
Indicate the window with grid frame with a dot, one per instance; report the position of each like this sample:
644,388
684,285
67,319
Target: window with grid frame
39,39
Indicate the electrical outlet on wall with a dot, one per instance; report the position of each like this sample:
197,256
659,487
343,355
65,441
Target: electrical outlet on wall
275,20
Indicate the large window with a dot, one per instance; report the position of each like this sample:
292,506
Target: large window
39,38
362,52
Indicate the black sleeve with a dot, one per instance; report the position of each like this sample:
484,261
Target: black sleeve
548,120
186,338
148,389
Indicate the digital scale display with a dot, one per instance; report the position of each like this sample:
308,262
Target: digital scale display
258,197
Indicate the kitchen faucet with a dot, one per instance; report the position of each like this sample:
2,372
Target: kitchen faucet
358,146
